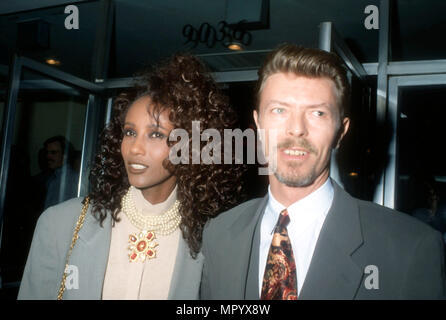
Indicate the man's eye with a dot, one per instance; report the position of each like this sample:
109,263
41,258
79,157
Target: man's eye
278,110
318,113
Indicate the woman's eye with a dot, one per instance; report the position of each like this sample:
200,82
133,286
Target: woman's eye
129,133
157,134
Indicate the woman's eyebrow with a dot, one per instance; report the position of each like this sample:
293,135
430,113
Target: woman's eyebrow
155,126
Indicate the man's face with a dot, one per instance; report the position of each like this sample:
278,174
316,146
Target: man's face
54,155
306,119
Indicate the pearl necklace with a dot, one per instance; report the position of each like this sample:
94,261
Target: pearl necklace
142,246
164,224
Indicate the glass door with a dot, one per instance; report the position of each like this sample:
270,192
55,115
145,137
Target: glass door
416,177
48,136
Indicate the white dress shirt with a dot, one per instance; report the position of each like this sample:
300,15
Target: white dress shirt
306,219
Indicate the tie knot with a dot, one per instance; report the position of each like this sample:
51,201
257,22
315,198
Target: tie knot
284,219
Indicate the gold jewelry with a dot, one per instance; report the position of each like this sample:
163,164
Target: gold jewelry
79,224
142,244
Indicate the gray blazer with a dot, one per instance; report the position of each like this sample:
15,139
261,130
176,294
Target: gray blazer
408,254
49,248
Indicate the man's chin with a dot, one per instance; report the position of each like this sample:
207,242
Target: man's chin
295,181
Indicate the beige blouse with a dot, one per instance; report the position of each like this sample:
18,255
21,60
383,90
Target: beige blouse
125,280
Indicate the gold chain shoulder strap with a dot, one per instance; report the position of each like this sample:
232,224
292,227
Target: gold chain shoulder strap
79,224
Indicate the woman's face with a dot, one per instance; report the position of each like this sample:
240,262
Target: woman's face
144,147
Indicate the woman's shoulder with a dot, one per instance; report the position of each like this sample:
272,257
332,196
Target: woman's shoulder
62,214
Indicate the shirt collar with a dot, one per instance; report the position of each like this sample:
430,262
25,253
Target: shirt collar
316,203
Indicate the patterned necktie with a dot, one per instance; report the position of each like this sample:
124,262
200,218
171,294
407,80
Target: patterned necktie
279,280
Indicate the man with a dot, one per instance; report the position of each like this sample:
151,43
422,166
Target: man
308,238
59,180
55,148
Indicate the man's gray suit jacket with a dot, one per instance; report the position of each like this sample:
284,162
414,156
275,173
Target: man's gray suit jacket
51,241
405,256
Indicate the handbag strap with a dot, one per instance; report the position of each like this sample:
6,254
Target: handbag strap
79,224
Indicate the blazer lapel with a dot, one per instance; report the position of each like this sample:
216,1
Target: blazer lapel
90,257
252,283
332,273
247,250
186,275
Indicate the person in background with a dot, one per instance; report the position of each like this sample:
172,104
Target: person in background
62,181
427,206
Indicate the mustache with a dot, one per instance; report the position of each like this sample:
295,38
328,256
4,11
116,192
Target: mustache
297,143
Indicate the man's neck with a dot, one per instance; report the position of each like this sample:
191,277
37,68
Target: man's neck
287,195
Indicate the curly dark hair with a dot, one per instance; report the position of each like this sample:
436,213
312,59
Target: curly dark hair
183,86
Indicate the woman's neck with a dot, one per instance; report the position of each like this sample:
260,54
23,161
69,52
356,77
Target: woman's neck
160,192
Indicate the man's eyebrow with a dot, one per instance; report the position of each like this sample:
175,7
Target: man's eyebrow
284,103
323,104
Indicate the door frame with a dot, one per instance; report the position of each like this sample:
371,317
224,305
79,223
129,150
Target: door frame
395,84
94,91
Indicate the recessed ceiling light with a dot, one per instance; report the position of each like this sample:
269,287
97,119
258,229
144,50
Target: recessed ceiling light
52,61
235,46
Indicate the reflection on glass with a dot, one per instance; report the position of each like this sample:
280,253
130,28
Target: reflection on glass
44,164
360,155
241,97
418,30
41,35
421,164
2,104
59,173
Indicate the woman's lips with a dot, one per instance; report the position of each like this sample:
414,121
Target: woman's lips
137,167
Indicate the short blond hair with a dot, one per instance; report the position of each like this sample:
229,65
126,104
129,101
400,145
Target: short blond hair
307,62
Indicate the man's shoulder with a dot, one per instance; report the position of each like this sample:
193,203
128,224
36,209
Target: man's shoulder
389,221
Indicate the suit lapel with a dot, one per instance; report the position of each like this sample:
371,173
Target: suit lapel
252,283
186,274
243,234
332,273
90,257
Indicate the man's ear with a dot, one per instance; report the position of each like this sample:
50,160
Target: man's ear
255,115
342,131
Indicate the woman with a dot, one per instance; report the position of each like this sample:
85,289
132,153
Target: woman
141,234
